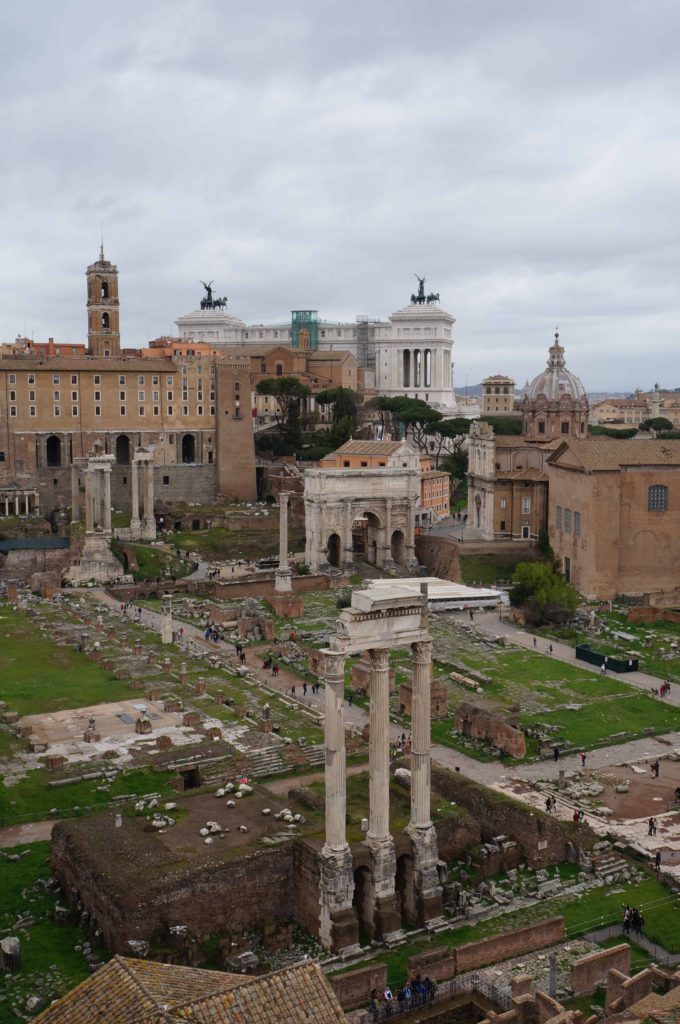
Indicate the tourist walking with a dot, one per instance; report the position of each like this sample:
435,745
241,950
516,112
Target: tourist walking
583,758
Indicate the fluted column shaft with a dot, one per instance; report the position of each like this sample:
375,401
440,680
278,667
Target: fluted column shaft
283,530
420,734
148,501
106,501
379,748
334,738
134,521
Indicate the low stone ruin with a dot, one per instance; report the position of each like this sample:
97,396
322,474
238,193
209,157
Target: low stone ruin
478,723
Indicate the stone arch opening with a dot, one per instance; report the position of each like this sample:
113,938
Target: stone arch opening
188,448
123,450
398,547
334,550
53,451
363,901
405,889
105,321
105,289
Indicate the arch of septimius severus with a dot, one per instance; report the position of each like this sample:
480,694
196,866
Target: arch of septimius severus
377,624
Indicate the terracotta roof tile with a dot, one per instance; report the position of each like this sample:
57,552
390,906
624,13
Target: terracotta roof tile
608,453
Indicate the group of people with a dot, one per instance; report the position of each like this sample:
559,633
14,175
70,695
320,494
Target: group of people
550,804
579,816
414,992
241,653
269,663
212,633
656,769
632,920
651,827
663,690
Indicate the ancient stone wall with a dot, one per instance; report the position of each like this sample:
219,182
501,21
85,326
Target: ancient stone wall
21,565
590,971
233,896
262,586
354,988
440,556
648,614
509,944
623,991
454,835
481,724
438,964
541,838
547,1007
307,881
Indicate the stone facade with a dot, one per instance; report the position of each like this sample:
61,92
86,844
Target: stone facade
614,517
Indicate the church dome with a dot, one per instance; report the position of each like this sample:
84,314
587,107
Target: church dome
556,381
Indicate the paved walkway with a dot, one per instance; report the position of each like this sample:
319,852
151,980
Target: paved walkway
660,954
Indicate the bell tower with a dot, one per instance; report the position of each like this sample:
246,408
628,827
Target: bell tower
103,314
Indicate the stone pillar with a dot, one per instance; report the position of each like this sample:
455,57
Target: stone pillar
135,523
106,501
411,561
427,889
388,561
338,925
386,919
349,546
282,577
16,505
75,495
149,518
166,619
89,500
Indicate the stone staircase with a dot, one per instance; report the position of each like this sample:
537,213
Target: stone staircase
266,762
609,865
316,755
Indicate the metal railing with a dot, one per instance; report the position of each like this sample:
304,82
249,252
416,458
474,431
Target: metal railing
442,993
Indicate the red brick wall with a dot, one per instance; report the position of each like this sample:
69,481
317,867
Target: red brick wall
591,971
508,944
354,988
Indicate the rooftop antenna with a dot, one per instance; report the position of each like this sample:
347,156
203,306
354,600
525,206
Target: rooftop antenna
101,247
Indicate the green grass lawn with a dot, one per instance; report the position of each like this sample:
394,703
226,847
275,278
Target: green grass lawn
38,676
153,562
48,955
595,723
221,543
487,570
31,799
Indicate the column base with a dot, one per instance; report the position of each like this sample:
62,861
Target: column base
427,889
283,581
412,564
338,924
389,563
386,916
149,528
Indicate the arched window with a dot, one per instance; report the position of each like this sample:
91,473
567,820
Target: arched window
279,369
105,289
657,498
105,321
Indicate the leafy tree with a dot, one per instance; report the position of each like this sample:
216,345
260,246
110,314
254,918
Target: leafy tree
544,594
656,423
343,400
447,436
506,425
288,392
456,465
619,435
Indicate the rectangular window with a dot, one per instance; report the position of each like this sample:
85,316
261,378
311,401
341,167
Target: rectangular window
121,379
122,410
503,503
57,410
31,378
185,410
97,378
55,378
13,410
155,396
97,410
567,520
74,410
140,379
74,378
526,506
141,410
97,396
169,410
559,517
31,410
56,396
166,480
237,386
140,396
154,381
577,524
212,370
502,525
169,396
212,410
169,381
121,396
12,396
74,396
13,379
199,410
156,411
199,370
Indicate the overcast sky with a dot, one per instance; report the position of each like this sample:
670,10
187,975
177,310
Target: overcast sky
523,154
